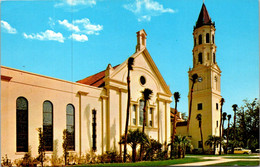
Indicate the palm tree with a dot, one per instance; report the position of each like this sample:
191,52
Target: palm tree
220,127
185,142
213,141
134,137
146,96
130,67
176,98
193,80
234,106
198,117
229,117
224,118
178,142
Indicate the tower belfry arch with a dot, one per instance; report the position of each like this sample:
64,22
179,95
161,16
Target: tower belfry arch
206,93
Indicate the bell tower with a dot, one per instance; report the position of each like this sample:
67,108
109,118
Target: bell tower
206,93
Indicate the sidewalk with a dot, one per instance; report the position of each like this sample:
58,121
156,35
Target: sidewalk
215,161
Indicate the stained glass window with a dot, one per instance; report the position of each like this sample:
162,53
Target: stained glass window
70,125
141,112
48,125
133,114
21,124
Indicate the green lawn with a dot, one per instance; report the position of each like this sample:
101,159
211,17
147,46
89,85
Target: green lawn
151,163
238,163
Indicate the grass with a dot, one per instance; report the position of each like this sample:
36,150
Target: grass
152,163
238,163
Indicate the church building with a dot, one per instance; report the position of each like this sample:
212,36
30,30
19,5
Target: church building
93,110
30,101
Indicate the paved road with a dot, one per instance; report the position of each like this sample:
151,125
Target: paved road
214,160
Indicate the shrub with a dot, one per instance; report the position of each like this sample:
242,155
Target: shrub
6,161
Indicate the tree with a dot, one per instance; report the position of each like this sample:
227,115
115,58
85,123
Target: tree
146,96
41,147
65,145
213,141
248,124
198,117
178,142
234,106
176,98
134,137
153,148
229,117
130,67
185,142
193,79
220,127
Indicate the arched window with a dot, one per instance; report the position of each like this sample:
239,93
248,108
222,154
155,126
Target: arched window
70,125
134,114
141,112
21,124
48,125
200,58
214,58
213,39
207,38
200,39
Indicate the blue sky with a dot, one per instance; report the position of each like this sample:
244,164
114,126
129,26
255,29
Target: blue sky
73,39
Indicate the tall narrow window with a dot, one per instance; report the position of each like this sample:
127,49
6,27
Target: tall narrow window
214,58
194,41
200,106
200,58
151,117
70,125
200,39
141,112
216,106
48,125
133,115
213,39
94,133
21,124
207,38
200,144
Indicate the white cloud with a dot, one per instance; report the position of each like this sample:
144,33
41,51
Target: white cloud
88,28
145,9
68,25
90,3
78,37
7,27
47,35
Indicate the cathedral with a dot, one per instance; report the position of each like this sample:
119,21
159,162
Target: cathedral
93,110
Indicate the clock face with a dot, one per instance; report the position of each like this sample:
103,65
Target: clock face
200,79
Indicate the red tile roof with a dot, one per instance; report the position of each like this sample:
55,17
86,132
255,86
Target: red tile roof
96,79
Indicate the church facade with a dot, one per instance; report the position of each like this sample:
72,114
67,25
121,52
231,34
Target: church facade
30,101
93,110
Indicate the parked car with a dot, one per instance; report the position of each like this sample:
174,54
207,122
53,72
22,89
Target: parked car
241,150
257,150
